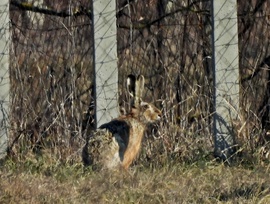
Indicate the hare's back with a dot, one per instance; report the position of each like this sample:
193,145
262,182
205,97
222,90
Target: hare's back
106,149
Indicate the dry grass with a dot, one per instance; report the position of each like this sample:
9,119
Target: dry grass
42,180
174,166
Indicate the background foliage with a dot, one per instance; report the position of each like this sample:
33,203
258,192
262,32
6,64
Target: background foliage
167,41
170,43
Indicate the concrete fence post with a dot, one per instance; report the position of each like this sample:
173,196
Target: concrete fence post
226,75
4,76
105,61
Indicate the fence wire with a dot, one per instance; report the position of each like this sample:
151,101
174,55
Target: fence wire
169,42
51,71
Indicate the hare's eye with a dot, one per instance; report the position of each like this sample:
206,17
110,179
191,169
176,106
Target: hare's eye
145,106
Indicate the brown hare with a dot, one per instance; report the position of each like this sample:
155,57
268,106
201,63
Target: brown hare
117,143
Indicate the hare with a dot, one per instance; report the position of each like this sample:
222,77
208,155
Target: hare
117,143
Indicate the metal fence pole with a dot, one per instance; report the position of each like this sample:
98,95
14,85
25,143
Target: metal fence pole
105,61
226,74
4,76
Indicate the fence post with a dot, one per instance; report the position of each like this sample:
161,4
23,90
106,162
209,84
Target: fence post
4,76
226,75
105,61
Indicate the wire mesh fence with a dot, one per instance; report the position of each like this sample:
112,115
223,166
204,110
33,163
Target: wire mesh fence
254,27
169,42
51,72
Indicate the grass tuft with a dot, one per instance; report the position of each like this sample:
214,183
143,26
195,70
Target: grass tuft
39,181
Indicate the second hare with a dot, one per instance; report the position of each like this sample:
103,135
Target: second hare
117,143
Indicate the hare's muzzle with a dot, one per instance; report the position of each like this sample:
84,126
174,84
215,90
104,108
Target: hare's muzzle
157,114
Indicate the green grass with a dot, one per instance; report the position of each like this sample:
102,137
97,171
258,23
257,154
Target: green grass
45,181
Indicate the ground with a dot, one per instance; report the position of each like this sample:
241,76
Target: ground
40,181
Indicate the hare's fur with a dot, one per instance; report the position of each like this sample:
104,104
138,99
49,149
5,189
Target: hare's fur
117,143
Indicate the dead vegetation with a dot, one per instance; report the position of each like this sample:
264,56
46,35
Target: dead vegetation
48,181
52,109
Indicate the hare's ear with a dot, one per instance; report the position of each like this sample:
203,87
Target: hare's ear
131,81
139,87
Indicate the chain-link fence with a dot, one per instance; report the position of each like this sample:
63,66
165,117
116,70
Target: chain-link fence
254,33
169,42
51,73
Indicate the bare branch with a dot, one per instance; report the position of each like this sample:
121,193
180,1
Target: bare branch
30,7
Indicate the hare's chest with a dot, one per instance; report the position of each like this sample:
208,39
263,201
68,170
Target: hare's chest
135,139
136,133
